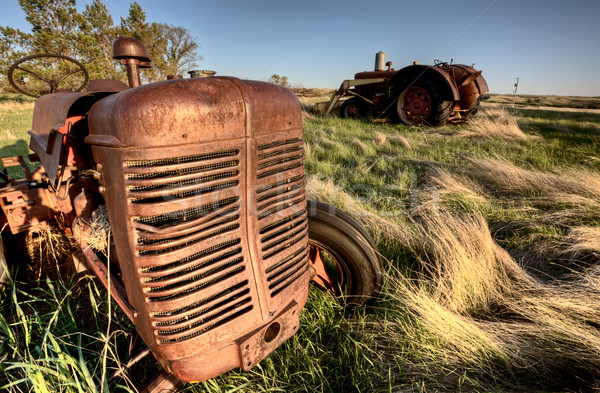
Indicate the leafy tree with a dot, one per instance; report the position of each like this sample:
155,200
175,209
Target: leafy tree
54,25
12,44
180,51
96,42
279,80
136,26
57,27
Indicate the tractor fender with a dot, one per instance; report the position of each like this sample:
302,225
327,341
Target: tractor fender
448,88
480,82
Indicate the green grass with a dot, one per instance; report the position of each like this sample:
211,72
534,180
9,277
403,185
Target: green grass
490,239
16,98
537,100
15,121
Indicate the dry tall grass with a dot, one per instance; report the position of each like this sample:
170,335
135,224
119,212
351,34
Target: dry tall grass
501,176
487,317
582,242
98,238
468,313
400,140
9,105
495,123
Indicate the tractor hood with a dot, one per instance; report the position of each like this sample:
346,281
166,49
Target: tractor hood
190,111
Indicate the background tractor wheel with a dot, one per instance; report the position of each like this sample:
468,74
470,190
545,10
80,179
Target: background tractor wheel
343,254
352,108
420,103
471,112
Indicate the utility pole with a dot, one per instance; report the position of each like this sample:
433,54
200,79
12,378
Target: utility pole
516,87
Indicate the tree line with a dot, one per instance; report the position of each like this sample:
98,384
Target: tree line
58,27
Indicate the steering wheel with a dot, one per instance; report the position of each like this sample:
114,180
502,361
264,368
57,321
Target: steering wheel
439,63
53,83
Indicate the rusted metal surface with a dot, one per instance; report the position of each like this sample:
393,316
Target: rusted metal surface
469,81
126,47
25,203
101,270
26,208
163,383
323,278
416,104
203,180
201,73
134,56
55,117
204,184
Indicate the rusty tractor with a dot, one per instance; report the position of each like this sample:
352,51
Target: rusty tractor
213,241
417,95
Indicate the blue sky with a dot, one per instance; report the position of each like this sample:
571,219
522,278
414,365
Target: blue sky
552,46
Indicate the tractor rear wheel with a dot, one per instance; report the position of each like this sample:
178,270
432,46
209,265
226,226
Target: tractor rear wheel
468,115
343,254
352,108
420,103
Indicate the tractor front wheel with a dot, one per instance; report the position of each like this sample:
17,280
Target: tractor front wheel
352,108
343,255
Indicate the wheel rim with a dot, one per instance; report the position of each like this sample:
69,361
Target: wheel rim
330,271
351,112
414,105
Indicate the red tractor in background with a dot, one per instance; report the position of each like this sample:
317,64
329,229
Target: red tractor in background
415,95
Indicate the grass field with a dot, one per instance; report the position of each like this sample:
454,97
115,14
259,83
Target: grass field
491,238
551,101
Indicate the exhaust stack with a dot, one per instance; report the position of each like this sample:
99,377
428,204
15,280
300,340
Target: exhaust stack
380,61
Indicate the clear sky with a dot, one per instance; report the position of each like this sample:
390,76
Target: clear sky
553,46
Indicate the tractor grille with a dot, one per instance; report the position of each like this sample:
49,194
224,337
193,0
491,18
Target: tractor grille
281,213
186,213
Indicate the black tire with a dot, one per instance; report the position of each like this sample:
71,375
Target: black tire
352,108
468,115
424,96
342,238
